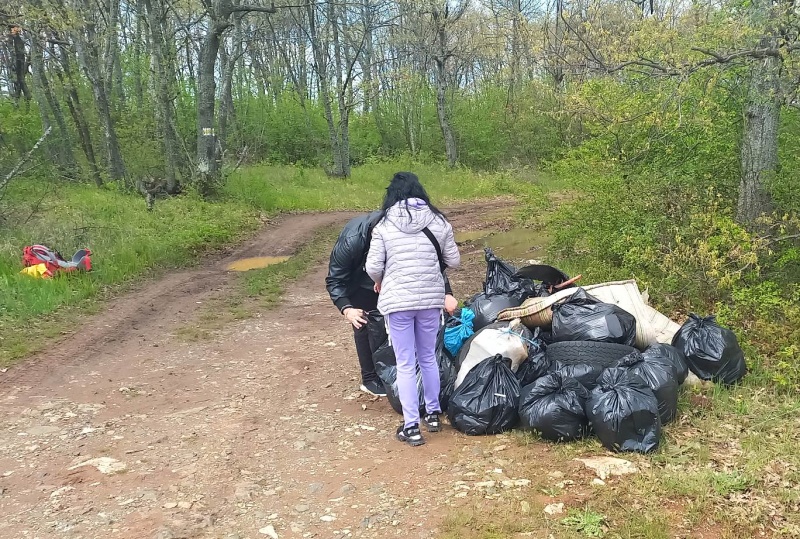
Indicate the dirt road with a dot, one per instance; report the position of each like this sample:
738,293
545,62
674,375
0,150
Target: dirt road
124,431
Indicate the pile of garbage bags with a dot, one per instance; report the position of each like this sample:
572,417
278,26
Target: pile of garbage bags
609,367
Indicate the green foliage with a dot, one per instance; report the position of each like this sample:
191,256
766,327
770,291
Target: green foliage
493,133
692,256
296,188
586,522
283,131
654,185
785,187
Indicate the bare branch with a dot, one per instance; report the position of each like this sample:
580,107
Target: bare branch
783,238
715,59
253,9
25,158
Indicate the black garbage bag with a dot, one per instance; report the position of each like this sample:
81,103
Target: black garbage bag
554,405
585,373
584,318
376,330
388,376
502,289
668,355
711,351
487,401
661,379
548,276
623,411
533,368
501,279
547,336
447,371
384,354
486,307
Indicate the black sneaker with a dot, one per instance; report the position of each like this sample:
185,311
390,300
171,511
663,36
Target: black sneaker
374,388
432,423
410,435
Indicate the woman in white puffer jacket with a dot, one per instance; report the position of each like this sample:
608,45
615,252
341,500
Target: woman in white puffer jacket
411,246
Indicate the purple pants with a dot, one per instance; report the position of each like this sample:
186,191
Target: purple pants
413,336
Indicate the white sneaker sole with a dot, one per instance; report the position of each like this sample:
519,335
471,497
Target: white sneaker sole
368,392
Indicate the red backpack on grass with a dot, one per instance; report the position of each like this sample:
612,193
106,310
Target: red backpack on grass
33,255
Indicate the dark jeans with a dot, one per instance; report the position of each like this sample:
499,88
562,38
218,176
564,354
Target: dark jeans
367,300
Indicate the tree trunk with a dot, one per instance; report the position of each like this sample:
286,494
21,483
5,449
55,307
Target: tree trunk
207,155
320,65
64,156
759,153
451,151
762,114
441,21
412,138
138,85
344,132
19,71
162,76
190,66
515,57
87,55
556,51
119,84
333,135
302,70
37,64
227,111
367,61
343,129
75,109
111,55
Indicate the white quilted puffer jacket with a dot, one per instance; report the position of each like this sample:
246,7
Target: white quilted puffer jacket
404,261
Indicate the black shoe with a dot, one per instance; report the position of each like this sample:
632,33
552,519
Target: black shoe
432,423
410,435
374,388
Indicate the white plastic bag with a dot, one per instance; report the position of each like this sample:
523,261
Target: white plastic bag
491,341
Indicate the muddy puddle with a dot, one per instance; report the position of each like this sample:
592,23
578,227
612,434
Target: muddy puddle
258,262
514,244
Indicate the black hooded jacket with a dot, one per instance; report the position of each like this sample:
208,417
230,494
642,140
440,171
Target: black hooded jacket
346,274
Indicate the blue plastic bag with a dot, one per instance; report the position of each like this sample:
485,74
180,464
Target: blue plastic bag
456,334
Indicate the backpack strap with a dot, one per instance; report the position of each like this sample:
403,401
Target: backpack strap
435,242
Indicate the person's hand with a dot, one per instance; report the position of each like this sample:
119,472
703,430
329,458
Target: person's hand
450,304
357,317
377,288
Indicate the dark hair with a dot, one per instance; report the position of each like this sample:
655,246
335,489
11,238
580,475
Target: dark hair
405,185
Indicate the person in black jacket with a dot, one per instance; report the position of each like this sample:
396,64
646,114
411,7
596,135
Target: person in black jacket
353,293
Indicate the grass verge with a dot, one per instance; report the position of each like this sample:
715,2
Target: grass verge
128,243
295,188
